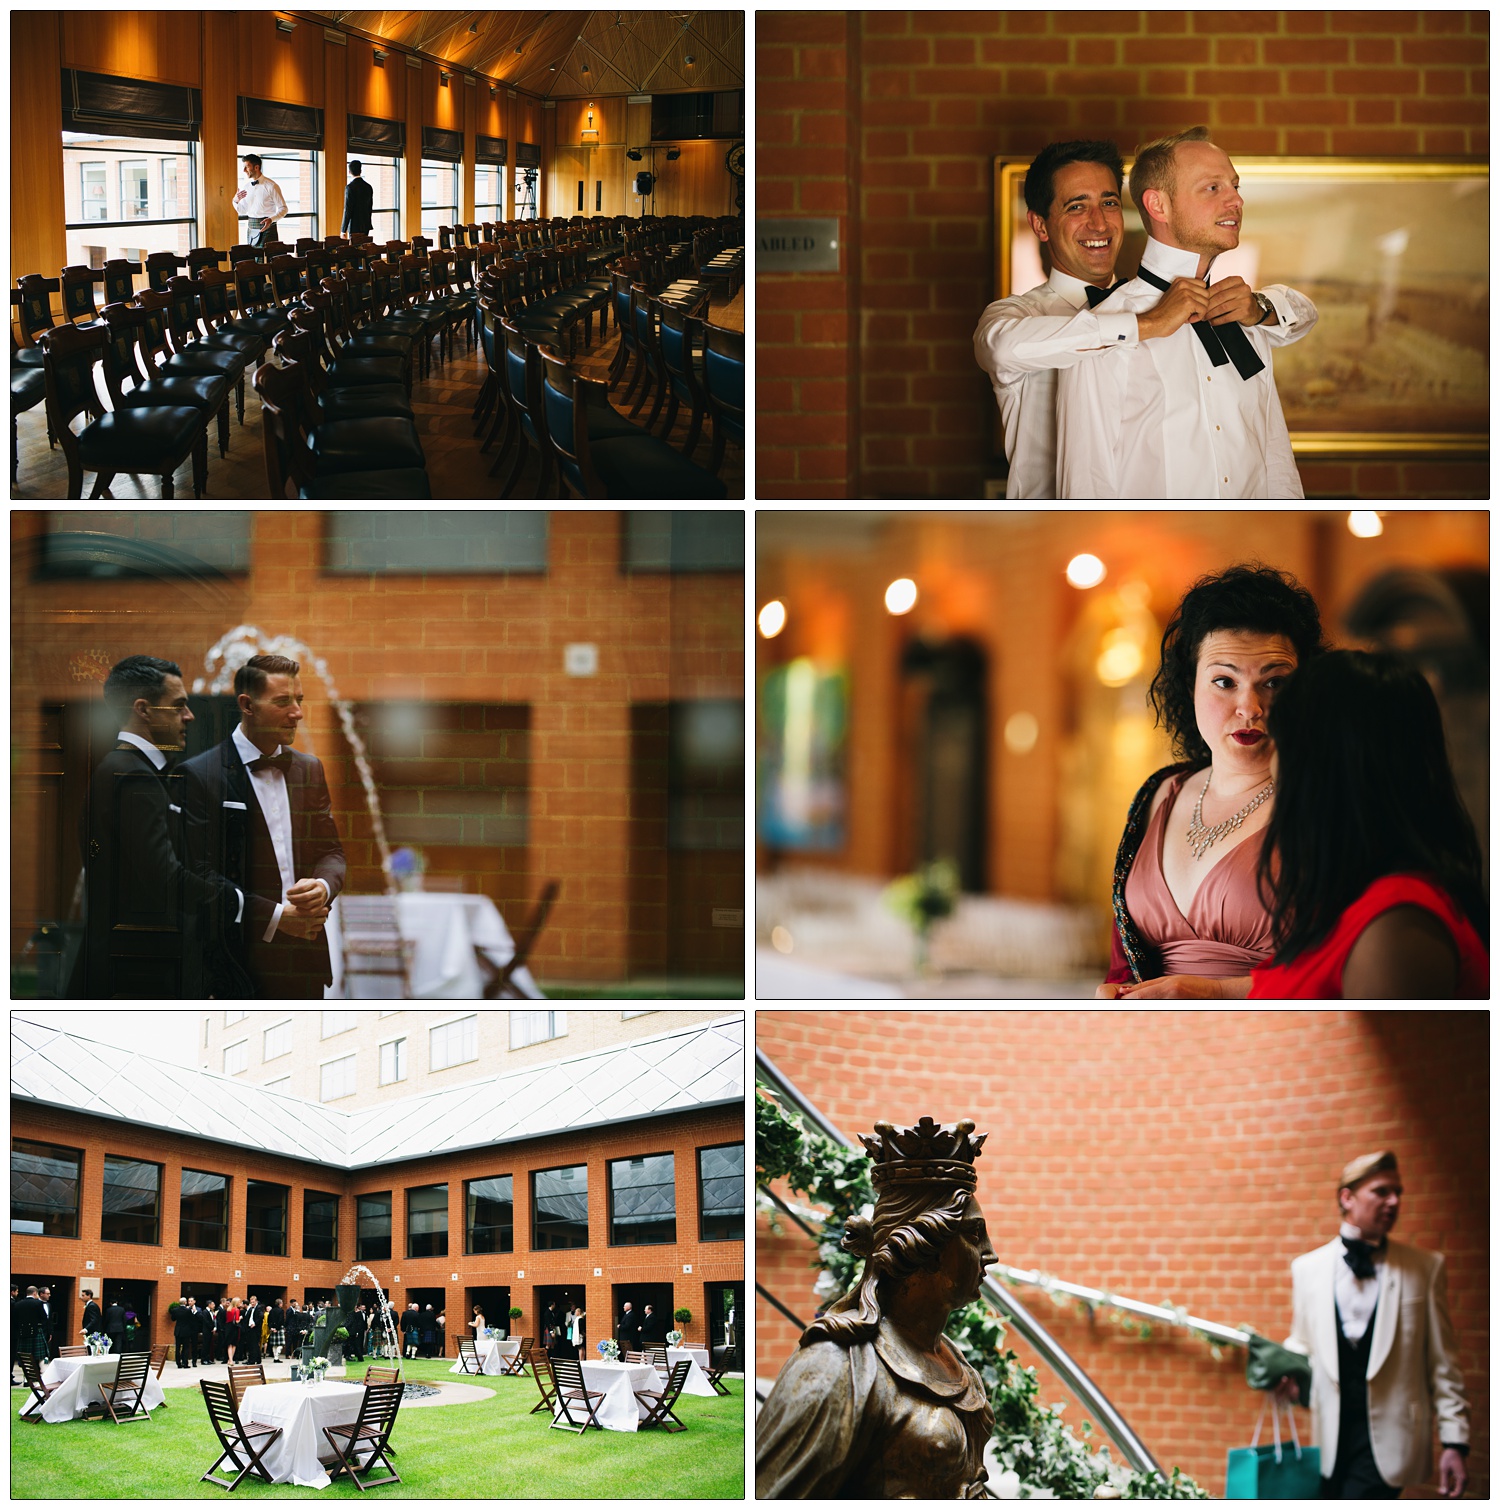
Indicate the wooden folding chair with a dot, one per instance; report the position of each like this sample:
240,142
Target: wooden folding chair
235,1436
125,1399
468,1353
31,1371
500,988
378,1373
659,1402
159,1358
567,1379
368,1437
546,1384
73,1350
242,1376
715,1376
517,1365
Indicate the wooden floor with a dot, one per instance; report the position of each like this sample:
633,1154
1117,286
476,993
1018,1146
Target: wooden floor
443,406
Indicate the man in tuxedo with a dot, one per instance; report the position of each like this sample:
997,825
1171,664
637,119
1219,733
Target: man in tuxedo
93,1317
653,1330
628,1333
114,1324
358,1324
185,1335
259,816
250,1322
1372,1315
359,202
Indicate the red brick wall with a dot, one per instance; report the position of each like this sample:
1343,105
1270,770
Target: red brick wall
1181,1157
867,385
654,1264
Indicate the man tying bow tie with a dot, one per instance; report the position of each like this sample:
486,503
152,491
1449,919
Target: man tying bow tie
1372,1317
259,814
1194,414
1073,205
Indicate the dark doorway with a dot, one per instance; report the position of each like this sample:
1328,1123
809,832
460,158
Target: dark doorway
63,1304
208,1290
945,701
138,1296
492,1300
437,1298
551,1333
658,1297
723,1306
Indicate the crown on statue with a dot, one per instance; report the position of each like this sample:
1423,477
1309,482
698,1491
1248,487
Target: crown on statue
930,1151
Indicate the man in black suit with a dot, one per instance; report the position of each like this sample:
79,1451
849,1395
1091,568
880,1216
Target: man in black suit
31,1326
93,1317
114,1324
358,1324
141,904
185,1335
359,202
250,1321
208,1334
653,1330
628,1333
259,816
46,1294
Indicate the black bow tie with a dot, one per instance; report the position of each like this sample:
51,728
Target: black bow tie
1223,343
1360,1256
1097,296
281,762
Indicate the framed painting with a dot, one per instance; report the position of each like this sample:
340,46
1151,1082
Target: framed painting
1395,254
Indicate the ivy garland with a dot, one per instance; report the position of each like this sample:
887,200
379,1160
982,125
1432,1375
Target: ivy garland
1031,1439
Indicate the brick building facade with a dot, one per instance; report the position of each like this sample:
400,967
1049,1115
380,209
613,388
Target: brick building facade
889,120
1175,1158
698,1268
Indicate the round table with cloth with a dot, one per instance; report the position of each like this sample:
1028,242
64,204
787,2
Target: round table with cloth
302,1411
493,1355
80,1379
444,928
619,1410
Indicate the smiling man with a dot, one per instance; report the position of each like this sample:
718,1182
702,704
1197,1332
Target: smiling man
1194,414
259,814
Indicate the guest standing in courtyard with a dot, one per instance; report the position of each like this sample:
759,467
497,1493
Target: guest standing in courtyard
31,1326
114,1324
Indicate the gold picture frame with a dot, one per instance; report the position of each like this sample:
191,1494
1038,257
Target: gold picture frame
1394,252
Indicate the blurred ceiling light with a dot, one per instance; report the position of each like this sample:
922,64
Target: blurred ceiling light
1365,524
772,619
901,596
781,939
1021,732
1085,571
1120,660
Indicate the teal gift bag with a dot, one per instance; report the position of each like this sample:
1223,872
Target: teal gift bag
1291,1472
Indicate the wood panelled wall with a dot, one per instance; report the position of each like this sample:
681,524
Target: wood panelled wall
226,54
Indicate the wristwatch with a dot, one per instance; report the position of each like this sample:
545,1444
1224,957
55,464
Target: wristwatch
1267,309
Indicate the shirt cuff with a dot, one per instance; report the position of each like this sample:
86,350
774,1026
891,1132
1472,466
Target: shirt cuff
270,932
1119,330
1285,314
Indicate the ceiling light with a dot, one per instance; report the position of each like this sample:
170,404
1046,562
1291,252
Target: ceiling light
1085,571
1365,524
901,596
772,619
690,60
473,28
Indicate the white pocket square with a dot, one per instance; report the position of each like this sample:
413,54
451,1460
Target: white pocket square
239,805
174,807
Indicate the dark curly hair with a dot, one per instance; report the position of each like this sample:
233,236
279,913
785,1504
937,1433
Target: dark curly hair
1039,176
1251,597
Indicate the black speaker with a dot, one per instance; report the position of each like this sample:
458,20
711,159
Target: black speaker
644,183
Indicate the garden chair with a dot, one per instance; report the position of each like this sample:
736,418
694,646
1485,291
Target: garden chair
242,1376
125,1399
567,1380
31,1371
468,1354
546,1384
518,1364
715,1376
369,1437
73,1350
235,1436
632,1355
379,1374
159,1358
659,1402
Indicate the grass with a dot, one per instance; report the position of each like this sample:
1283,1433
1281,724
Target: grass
491,1449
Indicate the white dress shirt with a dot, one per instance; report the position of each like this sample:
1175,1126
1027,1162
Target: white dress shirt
1159,420
149,750
269,786
1022,342
1355,1297
262,200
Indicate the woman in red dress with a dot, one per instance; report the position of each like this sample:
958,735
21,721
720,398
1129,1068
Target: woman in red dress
1371,860
232,1328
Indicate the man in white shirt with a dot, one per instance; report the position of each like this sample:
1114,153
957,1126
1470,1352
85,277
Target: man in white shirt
1372,1317
259,815
1195,414
261,203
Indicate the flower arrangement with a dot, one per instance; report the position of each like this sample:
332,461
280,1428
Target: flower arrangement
609,1350
922,899
98,1343
407,866
674,1338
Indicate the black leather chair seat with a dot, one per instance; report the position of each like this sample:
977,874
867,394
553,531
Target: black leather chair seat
641,466
362,372
607,423
196,363
358,445
406,482
138,440
28,356
203,393
249,342
378,401
28,387
263,323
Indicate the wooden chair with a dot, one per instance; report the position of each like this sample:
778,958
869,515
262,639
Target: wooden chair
546,1386
159,1353
125,1399
724,382
379,1373
468,1353
73,1350
242,1376
517,1366
634,1356
368,1438
235,1437
715,1376
659,1402
572,1393
31,1372
500,988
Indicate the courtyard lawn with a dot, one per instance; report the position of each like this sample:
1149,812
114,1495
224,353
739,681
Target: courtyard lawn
490,1449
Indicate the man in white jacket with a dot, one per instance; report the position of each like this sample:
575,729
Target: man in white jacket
1372,1316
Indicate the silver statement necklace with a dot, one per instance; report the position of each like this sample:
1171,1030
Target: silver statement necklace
1201,840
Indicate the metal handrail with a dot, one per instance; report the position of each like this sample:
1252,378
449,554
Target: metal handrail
1084,1390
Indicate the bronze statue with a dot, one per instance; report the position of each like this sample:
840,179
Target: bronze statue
876,1403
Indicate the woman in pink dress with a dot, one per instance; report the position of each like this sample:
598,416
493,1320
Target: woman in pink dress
1377,885
1189,920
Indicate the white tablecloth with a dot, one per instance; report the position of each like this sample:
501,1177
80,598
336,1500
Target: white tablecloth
697,1381
444,927
80,1379
493,1355
619,1410
302,1411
